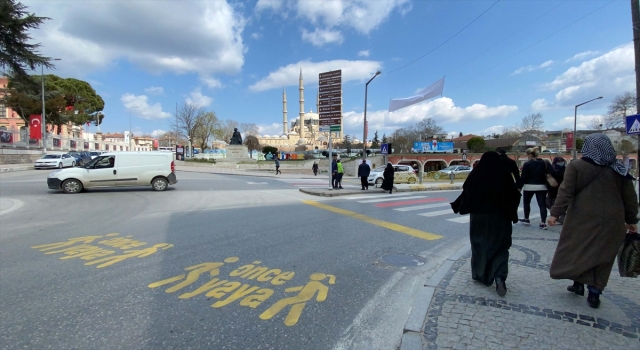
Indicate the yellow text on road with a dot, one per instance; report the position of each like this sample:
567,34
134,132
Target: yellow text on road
389,225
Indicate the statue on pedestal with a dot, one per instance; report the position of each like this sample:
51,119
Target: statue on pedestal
236,139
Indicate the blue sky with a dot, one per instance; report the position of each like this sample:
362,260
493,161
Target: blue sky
235,57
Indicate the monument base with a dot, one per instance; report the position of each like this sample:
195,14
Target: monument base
237,152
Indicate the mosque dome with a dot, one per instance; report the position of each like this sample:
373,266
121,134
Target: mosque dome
293,133
266,136
283,136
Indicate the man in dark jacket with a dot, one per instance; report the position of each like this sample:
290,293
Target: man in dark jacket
334,172
510,166
363,174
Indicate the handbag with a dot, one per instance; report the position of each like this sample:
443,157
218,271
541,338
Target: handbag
550,179
629,256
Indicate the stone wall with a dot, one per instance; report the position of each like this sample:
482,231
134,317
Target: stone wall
14,156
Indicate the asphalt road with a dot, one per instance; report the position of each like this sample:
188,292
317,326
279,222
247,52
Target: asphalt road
215,262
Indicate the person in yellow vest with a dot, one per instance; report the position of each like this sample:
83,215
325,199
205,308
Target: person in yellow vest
340,174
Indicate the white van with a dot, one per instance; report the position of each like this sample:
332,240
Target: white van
118,169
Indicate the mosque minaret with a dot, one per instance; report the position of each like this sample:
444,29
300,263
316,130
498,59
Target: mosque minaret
302,140
284,111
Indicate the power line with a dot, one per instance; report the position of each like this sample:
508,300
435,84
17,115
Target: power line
446,41
536,43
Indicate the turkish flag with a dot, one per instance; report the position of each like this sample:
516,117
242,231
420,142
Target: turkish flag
35,126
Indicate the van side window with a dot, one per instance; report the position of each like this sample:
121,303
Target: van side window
106,162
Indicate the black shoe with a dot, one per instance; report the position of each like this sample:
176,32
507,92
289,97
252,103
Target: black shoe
341,188
577,288
501,287
593,300
525,221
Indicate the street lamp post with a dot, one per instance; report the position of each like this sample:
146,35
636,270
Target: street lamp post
130,132
575,119
364,130
44,123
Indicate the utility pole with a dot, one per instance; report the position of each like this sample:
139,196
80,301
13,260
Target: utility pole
635,19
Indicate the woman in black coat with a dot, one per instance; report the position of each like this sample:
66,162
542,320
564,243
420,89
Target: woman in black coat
557,171
387,182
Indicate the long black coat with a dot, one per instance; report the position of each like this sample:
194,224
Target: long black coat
387,183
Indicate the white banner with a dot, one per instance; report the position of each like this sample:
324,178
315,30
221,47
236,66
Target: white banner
432,91
126,137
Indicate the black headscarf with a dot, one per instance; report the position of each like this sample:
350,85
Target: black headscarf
490,188
559,169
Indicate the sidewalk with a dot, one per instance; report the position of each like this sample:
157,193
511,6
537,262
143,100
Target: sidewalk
15,167
326,192
454,312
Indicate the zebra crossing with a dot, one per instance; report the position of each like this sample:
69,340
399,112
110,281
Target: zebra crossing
422,205
314,183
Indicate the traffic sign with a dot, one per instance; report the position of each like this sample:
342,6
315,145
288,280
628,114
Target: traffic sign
330,95
333,108
384,148
325,128
331,102
333,73
331,81
633,124
333,128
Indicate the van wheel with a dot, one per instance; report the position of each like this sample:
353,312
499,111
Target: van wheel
159,184
72,186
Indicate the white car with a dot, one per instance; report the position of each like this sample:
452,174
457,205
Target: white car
55,160
457,169
401,174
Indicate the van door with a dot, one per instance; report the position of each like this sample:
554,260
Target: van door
129,169
103,173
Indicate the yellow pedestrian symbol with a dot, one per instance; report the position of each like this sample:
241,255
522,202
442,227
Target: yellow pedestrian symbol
194,273
299,301
140,253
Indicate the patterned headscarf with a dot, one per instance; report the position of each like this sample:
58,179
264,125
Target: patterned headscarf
599,149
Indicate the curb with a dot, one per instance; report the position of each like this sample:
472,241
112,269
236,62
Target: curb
413,188
421,304
22,168
335,193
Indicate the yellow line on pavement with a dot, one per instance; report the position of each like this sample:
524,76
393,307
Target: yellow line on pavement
389,225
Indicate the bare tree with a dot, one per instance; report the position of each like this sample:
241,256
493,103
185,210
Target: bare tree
252,144
596,123
208,125
427,128
189,120
533,121
249,129
510,132
620,107
226,130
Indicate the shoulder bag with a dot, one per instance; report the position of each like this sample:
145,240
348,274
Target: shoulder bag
550,179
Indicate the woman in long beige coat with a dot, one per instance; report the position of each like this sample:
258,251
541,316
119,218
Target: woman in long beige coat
600,203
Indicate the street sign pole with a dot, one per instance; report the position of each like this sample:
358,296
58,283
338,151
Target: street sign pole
330,165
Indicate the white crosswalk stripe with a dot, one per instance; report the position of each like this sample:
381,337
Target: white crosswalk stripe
426,206
390,199
437,213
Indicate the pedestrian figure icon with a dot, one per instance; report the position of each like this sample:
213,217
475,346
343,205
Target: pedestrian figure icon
299,301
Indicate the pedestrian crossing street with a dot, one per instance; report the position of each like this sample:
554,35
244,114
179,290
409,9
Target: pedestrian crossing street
423,205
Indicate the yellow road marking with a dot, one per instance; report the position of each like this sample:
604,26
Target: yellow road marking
389,225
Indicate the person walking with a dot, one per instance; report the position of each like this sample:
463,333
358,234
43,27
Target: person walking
491,197
334,172
363,173
387,181
314,167
557,171
278,166
599,200
340,173
535,184
510,166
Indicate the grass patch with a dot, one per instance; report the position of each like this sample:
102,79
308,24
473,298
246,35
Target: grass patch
210,161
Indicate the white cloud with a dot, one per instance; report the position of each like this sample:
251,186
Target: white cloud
271,129
141,108
155,90
211,82
582,55
88,43
158,132
497,129
333,15
441,109
583,122
530,68
453,134
321,37
540,105
607,75
363,53
256,36
288,75
197,98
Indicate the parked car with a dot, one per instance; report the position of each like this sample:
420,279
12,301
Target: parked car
95,153
155,169
457,169
81,157
55,160
401,174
